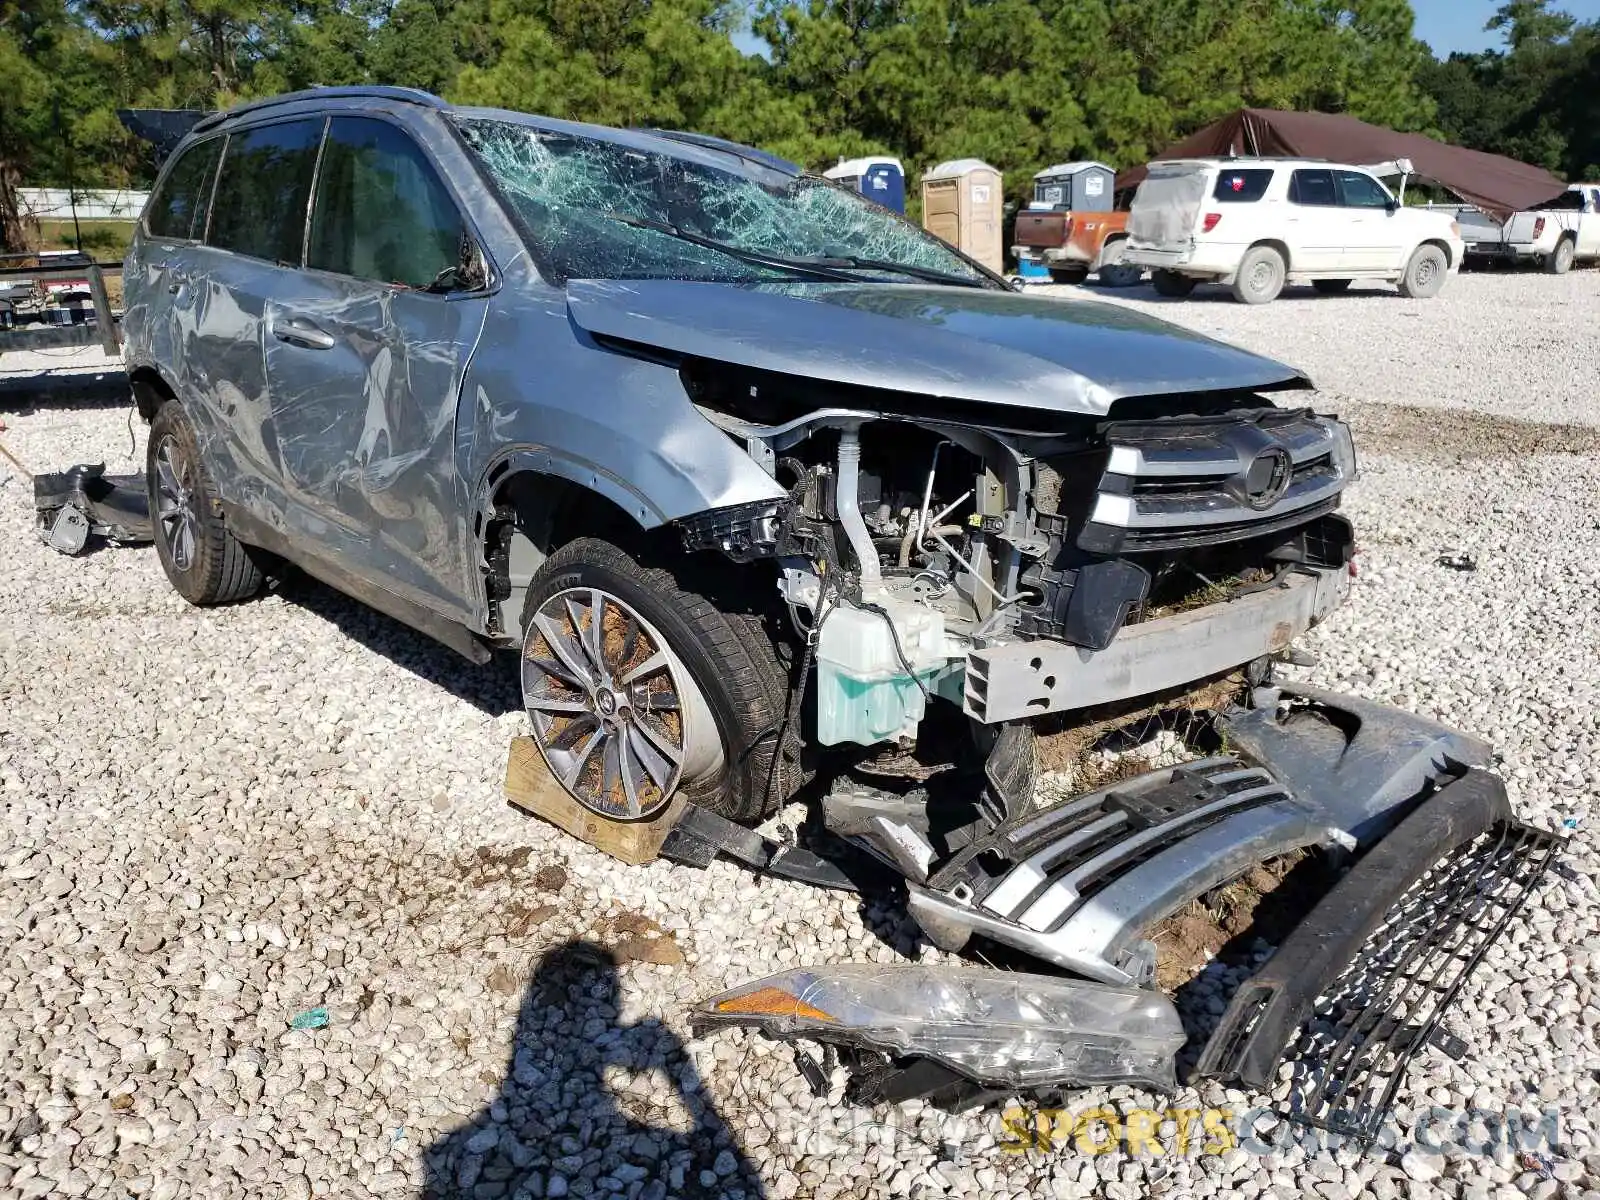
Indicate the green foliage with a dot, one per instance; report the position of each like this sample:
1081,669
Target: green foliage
1537,100
1020,83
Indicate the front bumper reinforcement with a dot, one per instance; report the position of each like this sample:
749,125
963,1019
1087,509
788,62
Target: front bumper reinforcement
1361,985
1023,679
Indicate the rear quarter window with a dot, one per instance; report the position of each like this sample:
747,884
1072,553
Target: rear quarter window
1242,186
178,208
260,205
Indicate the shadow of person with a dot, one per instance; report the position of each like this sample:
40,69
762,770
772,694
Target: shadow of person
557,1127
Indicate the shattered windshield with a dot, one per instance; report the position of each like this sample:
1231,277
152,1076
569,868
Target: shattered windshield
595,209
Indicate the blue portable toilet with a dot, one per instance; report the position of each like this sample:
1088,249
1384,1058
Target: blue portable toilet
879,178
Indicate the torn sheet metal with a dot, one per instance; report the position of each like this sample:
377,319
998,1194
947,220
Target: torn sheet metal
83,501
998,1028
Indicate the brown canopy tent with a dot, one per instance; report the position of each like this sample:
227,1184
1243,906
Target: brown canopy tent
1494,183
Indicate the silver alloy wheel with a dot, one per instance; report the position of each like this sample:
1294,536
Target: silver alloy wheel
1261,277
616,715
1427,268
180,524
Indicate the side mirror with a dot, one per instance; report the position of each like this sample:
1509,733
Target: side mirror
1393,206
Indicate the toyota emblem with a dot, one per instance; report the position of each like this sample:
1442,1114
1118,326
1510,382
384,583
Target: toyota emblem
1267,478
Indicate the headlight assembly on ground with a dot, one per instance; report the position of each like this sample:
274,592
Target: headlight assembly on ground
998,1028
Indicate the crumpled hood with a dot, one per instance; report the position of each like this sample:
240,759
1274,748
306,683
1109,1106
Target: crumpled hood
996,347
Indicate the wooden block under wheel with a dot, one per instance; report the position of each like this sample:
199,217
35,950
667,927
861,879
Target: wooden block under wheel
531,787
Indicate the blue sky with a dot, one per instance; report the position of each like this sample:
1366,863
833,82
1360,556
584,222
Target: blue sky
1448,25
1445,25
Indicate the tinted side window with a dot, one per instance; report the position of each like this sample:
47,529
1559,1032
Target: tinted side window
178,209
1361,191
1241,187
1312,187
260,206
381,212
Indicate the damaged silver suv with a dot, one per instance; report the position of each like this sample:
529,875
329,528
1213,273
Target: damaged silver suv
615,397
746,467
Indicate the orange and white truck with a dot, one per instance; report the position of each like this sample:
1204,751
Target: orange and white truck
1072,228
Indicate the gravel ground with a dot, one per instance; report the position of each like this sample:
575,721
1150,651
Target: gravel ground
218,821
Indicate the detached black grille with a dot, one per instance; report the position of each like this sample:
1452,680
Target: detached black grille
1351,1054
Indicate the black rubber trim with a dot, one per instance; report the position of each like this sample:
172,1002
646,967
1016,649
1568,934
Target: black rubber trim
700,835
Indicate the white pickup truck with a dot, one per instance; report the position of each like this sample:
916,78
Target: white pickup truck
1557,234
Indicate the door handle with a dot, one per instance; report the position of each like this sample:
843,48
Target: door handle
298,331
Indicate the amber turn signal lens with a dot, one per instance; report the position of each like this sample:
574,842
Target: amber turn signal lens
770,1001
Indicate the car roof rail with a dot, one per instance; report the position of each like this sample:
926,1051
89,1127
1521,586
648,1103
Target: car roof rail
374,92
709,142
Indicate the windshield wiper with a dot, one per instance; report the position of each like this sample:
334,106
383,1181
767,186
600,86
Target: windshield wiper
824,266
777,262
856,263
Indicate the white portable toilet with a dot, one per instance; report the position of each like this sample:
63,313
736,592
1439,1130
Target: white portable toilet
963,203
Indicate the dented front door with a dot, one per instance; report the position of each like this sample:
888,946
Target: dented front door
363,382
364,359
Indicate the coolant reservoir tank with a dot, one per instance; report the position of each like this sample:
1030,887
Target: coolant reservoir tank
865,694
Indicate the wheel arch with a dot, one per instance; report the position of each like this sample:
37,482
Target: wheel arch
1278,244
527,513
1111,240
150,390
1449,259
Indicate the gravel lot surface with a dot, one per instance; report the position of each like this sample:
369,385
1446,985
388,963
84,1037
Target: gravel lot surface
217,821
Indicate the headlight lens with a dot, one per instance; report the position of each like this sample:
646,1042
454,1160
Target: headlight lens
997,1027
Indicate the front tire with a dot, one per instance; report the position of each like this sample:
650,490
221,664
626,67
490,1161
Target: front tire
674,692
203,561
1172,284
1425,273
1261,276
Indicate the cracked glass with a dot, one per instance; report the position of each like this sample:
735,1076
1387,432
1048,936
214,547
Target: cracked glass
569,192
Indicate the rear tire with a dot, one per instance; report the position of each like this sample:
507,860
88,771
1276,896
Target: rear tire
1261,276
1560,260
1331,287
204,562
1425,273
1113,272
711,649
1170,283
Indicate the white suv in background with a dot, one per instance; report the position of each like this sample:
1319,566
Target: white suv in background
1258,224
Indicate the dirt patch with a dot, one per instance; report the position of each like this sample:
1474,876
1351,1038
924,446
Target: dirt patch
523,919
642,940
1263,904
488,865
550,878
1454,434
1071,743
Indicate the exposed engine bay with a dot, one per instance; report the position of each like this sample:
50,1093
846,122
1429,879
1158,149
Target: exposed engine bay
997,569
1017,575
